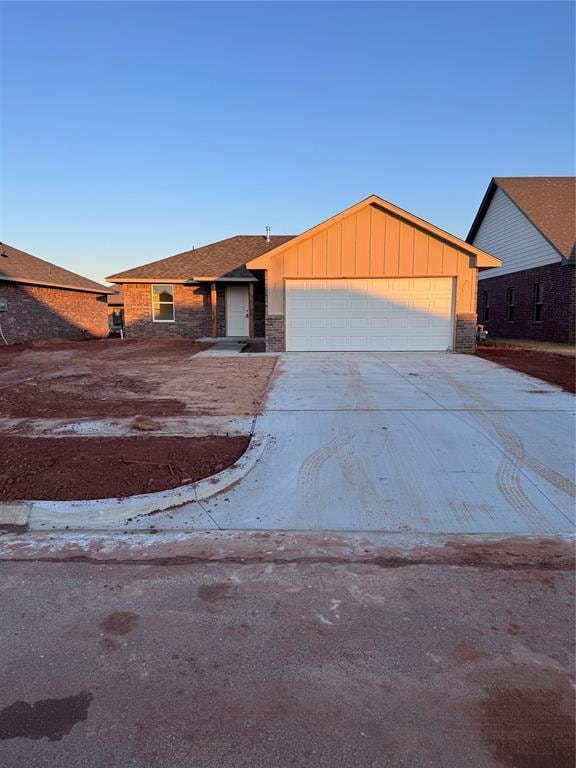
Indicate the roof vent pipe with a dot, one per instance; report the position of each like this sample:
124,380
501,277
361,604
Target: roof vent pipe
268,234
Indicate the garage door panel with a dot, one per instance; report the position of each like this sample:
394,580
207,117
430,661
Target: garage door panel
386,314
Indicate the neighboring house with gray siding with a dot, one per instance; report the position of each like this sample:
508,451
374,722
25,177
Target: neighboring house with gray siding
530,224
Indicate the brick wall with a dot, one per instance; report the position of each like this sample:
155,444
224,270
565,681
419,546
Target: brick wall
275,333
465,338
192,312
558,314
38,312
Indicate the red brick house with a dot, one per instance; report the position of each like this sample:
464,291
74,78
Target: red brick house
530,224
373,277
39,300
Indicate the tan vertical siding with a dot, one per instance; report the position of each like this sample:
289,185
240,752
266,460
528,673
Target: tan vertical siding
371,243
362,260
377,242
334,255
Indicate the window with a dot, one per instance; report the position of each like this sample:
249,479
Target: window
510,299
485,306
538,302
162,303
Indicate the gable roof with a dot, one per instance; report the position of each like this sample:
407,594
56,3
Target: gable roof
20,267
483,259
548,202
224,259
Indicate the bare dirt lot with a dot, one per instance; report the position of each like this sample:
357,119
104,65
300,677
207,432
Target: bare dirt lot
128,378
136,380
555,369
104,467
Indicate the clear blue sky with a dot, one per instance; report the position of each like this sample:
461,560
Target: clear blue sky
132,131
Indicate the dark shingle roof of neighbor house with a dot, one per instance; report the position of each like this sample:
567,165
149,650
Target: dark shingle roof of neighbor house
548,201
20,267
226,258
116,298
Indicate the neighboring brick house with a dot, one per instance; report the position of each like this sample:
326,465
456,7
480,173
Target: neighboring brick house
373,277
529,223
39,300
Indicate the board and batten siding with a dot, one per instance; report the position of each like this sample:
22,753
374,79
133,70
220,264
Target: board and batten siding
507,233
371,243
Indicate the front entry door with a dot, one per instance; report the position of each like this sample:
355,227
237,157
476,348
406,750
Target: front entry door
237,323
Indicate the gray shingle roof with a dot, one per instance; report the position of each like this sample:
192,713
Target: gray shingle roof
20,267
226,258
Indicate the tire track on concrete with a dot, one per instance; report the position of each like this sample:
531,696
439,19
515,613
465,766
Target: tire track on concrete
509,482
354,472
308,481
357,387
509,439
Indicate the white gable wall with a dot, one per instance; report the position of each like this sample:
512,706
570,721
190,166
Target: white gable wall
507,233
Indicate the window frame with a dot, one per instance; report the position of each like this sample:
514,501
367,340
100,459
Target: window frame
485,306
538,306
158,303
510,303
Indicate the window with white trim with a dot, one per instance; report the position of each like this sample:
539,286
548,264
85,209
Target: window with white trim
162,303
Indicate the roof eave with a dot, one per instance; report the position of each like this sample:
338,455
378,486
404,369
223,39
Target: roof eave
486,200
45,284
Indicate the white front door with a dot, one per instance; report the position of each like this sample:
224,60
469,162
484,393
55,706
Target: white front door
237,310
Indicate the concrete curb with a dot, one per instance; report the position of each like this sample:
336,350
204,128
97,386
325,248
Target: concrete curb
385,550
93,512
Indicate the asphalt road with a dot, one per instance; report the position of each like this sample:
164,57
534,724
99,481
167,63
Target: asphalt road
324,664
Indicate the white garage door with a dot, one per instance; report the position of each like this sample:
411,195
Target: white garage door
379,315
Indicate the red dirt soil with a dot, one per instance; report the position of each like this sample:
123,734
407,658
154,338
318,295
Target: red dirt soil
555,369
98,378
104,467
123,379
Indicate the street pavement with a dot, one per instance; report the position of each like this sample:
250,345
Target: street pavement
459,656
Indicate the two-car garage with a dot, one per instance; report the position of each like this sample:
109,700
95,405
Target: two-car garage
369,314
372,278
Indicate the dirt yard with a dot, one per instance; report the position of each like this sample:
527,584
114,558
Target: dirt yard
104,467
139,381
115,378
555,369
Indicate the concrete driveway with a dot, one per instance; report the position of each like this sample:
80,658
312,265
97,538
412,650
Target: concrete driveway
425,442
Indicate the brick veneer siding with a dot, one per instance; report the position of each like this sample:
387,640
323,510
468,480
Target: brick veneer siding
558,314
465,337
191,312
38,312
275,333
